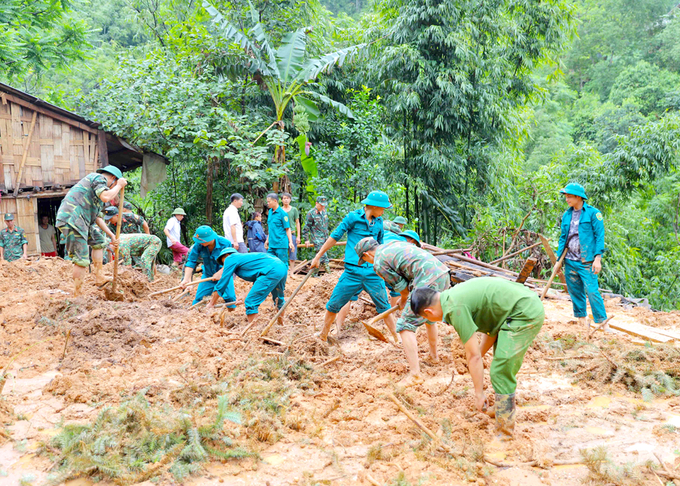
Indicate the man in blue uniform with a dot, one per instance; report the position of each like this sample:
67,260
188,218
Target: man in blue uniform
582,237
265,271
208,246
280,239
358,275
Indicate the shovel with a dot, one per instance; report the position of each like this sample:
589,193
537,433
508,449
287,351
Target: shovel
288,301
372,330
556,269
112,294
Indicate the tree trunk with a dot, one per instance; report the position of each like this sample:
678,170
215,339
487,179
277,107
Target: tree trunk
210,176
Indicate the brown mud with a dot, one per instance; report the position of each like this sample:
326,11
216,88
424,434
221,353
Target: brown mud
345,430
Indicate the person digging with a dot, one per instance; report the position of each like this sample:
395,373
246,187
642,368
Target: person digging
582,237
404,266
77,220
208,246
359,224
265,271
508,314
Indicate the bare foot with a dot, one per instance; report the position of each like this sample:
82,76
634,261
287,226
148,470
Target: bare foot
412,380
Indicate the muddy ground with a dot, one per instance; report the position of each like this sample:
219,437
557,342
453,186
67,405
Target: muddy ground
339,426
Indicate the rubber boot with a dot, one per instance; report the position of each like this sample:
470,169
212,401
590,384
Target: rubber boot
99,273
327,267
78,287
505,415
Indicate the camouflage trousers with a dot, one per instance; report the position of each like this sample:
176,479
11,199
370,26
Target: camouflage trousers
76,245
144,246
317,246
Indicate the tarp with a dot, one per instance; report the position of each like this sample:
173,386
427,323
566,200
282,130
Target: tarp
153,173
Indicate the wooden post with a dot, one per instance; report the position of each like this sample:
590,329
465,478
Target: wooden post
24,156
553,258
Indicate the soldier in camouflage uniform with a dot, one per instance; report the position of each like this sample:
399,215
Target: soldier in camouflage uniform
316,228
133,221
13,242
144,246
403,267
77,219
131,224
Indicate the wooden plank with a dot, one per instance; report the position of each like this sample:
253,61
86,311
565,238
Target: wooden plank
25,154
47,149
551,255
668,333
641,331
526,270
56,138
103,150
27,219
50,113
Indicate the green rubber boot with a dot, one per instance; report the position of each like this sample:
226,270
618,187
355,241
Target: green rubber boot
327,267
505,415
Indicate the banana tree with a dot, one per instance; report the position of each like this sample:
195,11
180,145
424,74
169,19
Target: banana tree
286,72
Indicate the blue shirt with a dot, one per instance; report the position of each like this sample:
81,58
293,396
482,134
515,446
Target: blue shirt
210,265
277,222
357,227
248,266
389,237
590,232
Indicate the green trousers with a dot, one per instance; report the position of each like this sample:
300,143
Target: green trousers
512,342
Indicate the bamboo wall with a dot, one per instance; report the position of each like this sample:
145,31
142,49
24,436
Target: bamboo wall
60,152
25,216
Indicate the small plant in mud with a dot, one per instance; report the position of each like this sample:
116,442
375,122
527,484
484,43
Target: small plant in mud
138,441
602,471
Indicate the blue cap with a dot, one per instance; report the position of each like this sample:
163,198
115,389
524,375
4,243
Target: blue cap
411,234
575,190
205,234
378,199
111,169
227,251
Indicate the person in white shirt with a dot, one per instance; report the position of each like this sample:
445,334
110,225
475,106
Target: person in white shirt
172,231
231,222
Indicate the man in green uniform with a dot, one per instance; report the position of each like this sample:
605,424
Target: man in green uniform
131,224
13,242
76,219
146,247
316,229
404,266
508,314
294,221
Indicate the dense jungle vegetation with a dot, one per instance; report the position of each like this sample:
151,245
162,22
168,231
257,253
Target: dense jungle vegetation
471,114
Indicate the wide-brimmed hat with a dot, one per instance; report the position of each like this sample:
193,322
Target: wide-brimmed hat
111,169
575,190
205,234
411,234
364,245
400,220
227,251
179,211
378,199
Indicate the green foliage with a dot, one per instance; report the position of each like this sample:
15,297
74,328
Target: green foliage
647,84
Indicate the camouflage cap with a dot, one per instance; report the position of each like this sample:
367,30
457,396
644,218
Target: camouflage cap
364,245
9,216
322,200
127,205
110,212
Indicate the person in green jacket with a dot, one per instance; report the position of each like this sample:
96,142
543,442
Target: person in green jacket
582,237
508,314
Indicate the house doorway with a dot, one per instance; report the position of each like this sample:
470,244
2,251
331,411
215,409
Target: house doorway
48,206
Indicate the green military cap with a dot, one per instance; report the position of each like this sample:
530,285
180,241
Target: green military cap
378,199
9,216
111,169
575,190
400,220
127,205
411,234
364,245
322,200
179,211
110,212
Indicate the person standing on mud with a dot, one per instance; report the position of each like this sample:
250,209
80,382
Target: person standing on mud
359,224
404,266
13,242
265,271
582,237
146,247
508,314
172,233
232,225
209,246
77,220
294,222
280,239
316,229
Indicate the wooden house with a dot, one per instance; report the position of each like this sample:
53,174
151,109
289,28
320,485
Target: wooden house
45,150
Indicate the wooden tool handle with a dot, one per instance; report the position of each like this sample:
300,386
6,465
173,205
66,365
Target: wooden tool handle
558,265
195,282
383,315
290,299
118,226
